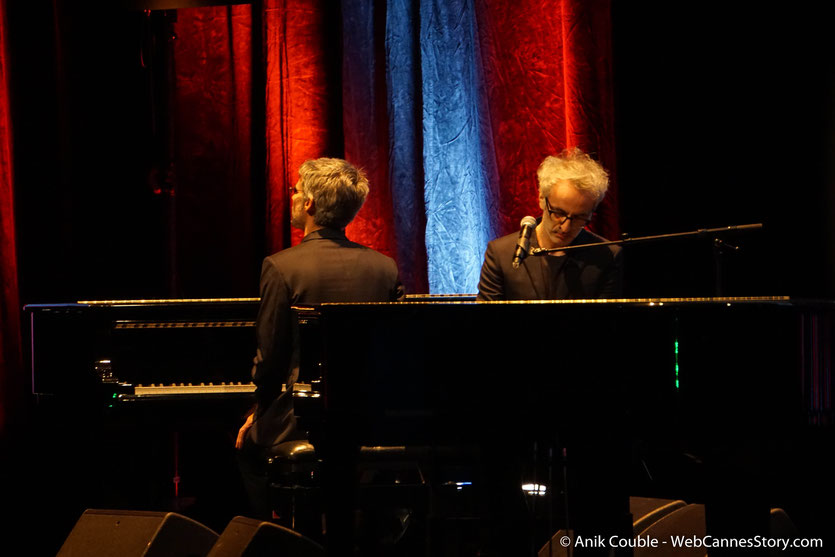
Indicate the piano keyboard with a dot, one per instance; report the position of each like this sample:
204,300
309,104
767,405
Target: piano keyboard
209,389
190,389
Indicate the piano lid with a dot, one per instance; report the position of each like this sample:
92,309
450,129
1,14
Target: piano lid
468,300
168,301
441,299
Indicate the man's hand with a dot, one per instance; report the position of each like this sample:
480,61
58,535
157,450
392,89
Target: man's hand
239,442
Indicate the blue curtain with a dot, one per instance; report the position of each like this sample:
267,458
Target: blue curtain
458,165
441,166
402,47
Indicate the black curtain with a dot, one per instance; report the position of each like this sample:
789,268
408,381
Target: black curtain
725,116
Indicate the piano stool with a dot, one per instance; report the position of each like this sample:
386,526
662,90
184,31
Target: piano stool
293,469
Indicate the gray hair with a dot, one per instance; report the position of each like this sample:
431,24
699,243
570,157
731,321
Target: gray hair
337,188
573,165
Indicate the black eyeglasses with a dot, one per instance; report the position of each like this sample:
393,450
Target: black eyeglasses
560,216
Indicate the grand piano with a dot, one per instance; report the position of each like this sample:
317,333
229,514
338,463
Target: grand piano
137,403
735,384
128,350
601,384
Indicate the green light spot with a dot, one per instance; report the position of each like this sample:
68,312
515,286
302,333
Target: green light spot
675,344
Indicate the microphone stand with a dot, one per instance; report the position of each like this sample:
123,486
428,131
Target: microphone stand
675,236
719,246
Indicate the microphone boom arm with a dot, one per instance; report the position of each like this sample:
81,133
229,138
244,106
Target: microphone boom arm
659,237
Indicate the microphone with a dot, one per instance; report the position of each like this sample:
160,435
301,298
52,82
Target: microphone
524,242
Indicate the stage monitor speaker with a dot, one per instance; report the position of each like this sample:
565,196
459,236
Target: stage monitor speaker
246,537
115,533
646,511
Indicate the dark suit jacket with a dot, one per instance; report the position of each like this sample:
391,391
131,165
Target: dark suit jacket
581,274
324,267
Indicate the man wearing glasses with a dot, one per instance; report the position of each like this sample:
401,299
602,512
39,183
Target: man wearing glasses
571,186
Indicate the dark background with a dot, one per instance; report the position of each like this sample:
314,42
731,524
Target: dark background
724,116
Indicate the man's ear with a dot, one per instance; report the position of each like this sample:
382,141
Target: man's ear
310,206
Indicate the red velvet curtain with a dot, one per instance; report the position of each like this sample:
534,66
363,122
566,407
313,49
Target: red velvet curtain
305,108
249,79
212,146
10,364
548,80
301,97
548,74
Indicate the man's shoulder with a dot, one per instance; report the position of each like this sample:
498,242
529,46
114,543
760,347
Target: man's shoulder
288,258
588,237
286,253
305,249
366,252
503,242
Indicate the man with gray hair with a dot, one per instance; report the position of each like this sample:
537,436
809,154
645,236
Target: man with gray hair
571,186
324,267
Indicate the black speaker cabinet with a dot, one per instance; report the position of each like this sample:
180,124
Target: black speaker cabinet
246,537
647,514
112,533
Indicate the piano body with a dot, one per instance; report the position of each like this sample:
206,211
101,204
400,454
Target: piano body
138,402
444,375
739,362
740,385
127,350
